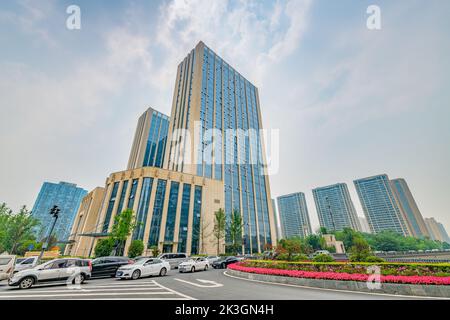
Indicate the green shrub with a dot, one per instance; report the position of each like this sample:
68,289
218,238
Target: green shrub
300,257
323,258
282,257
374,259
136,248
103,248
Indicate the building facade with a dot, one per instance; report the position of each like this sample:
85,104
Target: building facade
364,225
150,139
437,230
174,210
411,211
213,112
82,235
335,208
277,220
380,205
67,196
294,215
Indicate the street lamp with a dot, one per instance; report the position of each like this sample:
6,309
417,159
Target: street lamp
55,213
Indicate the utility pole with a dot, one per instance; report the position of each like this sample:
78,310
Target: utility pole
54,212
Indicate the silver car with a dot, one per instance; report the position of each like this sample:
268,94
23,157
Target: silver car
6,266
27,263
174,259
55,271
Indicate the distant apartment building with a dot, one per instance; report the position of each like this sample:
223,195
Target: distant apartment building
67,196
277,220
408,205
150,139
364,225
82,235
335,208
380,205
294,215
437,230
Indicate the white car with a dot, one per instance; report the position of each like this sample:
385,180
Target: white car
194,264
143,268
6,266
212,259
27,263
55,271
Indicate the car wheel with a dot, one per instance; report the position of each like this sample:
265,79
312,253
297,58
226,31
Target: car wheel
26,283
136,275
163,272
79,279
193,269
206,267
223,266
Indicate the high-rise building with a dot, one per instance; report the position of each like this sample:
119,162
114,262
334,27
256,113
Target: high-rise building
215,133
335,208
380,205
364,225
149,144
408,205
277,220
294,215
82,235
67,196
437,230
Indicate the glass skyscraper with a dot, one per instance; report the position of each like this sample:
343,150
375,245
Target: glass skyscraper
335,208
294,215
210,94
380,205
408,205
149,144
67,196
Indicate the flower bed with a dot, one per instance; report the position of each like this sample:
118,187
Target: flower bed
428,280
387,268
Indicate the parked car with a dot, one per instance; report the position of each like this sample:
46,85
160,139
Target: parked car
212,259
54,271
25,263
6,266
193,265
174,259
144,268
108,266
319,252
223,263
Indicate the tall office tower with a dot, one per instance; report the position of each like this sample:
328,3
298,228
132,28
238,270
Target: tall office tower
364,225
294,215
149,144
217,106
277,220
408,205
436,230
335,208
380,205
67,196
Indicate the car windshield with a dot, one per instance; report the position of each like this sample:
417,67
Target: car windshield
141,261
4,261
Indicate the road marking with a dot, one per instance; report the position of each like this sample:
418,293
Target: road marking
175,292
86,294
212,284
336,290
83,290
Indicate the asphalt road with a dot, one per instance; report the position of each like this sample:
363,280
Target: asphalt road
205,285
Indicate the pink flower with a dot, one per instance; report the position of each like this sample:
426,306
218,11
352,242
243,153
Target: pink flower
430,280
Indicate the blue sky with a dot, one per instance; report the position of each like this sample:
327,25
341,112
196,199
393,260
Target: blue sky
349,102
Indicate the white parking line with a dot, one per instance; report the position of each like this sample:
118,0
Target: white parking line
83,290
176,292
85,294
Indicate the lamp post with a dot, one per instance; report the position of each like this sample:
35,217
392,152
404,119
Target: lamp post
54,212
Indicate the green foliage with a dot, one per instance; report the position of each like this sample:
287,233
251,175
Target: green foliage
155,251
124,224
348,236
15,229
317,242
104,247
360,250
219,227
374,259
235,232
288,248
136,248
323,258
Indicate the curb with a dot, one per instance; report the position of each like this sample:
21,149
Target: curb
386,288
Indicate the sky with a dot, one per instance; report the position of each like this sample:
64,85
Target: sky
349,102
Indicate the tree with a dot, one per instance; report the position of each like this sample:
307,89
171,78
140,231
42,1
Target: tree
291,247
155,251
136,248
360,250
348,236
15,229
317,242
104,247
219,227
124,224
235,231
